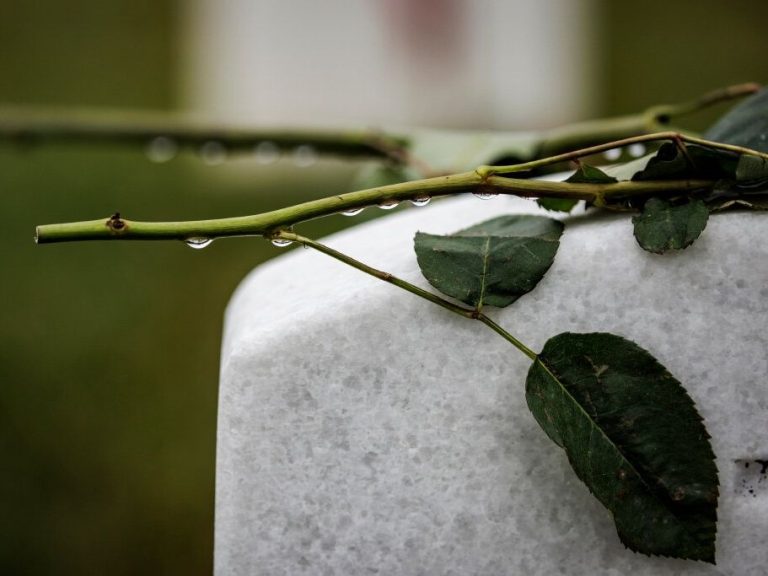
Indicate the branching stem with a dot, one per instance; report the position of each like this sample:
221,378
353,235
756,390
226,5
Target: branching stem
485,179
268,222
654,119
676,137
25,125
470,313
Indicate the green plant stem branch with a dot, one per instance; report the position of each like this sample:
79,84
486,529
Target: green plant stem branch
507,336
677,137
485,179
385,276
654,119
31,126
470,313
28,127
267,223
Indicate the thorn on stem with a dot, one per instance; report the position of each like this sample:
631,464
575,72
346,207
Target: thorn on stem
116,223
678,140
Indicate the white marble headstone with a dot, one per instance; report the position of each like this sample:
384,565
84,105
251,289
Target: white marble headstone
363,430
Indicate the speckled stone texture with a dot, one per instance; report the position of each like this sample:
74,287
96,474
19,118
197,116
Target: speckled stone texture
363,430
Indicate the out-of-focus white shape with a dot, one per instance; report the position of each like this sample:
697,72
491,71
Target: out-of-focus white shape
448,63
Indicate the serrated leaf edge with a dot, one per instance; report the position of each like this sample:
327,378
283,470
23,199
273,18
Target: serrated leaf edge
594,425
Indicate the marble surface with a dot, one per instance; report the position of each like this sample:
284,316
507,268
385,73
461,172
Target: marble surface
365,431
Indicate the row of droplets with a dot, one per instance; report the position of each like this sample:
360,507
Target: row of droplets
164,149
421,200
635,150
199,242
268,152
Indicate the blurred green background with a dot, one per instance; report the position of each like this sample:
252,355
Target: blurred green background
109,352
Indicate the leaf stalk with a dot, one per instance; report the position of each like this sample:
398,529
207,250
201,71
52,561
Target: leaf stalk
470,313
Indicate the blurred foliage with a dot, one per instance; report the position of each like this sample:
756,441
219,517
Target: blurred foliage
86,52
109,352
660,51
109,358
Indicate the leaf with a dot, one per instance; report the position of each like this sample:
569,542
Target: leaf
584,174
591,175
633,436
492,263
751,172
669,162
664,226
745,124
557,204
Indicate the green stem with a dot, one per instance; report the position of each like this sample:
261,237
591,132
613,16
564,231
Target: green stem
487,171
385,276
470,313
28,127
507,336
72,126
117,228
654,119
483,179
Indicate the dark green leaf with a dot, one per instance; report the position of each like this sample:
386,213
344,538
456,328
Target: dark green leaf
669,162
516,225
665,226
591,175
492,263
633,436
752,172
557,204
745,124
584,174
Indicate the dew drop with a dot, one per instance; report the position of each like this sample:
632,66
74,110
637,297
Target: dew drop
388,204
267,152
421,200
198,242
281,242
352,211
612,155
636,150
485,194
213,153
304,156
161,149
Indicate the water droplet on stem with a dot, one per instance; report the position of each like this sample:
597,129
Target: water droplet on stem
612,155
352,211
281,242
161,149
213,153
421,200
388,204
636,150
267,152
485,194
304,156
198,242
